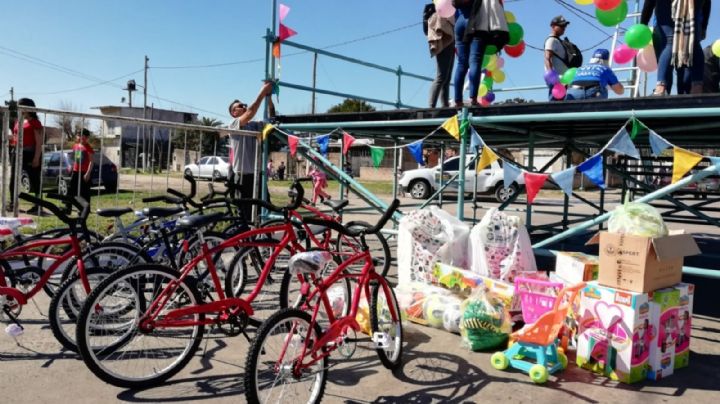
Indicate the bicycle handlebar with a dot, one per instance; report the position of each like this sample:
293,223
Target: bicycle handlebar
344,230
297,200
82,205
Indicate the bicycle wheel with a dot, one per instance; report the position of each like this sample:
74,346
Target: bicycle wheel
379,249
109,337
270,368
245,261
111,256
382,321
67,303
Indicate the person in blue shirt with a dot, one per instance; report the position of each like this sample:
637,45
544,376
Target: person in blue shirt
593,80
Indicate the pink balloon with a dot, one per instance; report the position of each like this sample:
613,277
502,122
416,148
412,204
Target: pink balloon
624,54
500,63
445,8
559,91
607,5
484,102
646,59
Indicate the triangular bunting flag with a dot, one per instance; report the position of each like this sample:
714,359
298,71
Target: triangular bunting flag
286,32
565,180
452,127
636,126
323,142
348,140
292,144
486,158
621,143
533,183
266,131
510,174
716,162
594,170
276,49
283,11
475,140
658,144
683,161
377,155
416,151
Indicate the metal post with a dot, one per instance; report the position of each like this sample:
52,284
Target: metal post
137,155
461,169
18,161
185,156
475,187
314,82
153,132
169,158
566,199
5,157
531,166
441,160
342,166
396,152
602,194
398,103
145,112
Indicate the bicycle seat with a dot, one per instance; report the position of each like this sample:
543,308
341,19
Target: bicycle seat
198,221
156,211
113,212
309,262
336,205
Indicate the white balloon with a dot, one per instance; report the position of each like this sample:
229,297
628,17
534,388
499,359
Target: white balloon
444,8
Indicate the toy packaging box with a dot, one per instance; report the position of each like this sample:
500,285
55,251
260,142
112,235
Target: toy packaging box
662,349
615,332
685,310
576,267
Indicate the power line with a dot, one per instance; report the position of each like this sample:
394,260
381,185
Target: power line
86,87
579,13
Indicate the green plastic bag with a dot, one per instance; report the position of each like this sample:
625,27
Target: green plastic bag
637,219
485,323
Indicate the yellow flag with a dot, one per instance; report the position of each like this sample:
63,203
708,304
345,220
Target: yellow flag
486,158
453,127
683,161
266,130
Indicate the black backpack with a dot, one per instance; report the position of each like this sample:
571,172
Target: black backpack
428,11
573,55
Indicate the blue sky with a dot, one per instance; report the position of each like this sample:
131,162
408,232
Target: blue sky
97,41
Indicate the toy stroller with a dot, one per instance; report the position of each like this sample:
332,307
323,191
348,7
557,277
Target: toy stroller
535,350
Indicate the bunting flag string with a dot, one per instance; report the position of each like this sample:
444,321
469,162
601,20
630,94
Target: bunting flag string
416,151
486,158
452,126
594,170
565,180
475,141
658,144
323,143
293,144
285,32
533,183
716,162
511,172
622,144
683,161
348,140
377,154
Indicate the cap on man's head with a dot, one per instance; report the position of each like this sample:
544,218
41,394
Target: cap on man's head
559,21
601,54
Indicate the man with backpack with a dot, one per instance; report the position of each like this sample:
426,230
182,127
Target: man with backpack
560,54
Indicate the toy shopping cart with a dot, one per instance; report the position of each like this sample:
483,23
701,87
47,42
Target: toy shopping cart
536,297
535,350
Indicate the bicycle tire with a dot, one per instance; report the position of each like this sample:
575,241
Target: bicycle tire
393,360
135,280
379,247
257,351
69,301
124,255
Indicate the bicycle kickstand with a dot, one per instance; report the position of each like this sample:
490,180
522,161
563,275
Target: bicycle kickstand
12,318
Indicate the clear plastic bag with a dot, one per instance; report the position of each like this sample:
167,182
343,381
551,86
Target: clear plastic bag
486,322
637,219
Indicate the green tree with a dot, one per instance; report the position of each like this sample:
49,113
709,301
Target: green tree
352,105
193,138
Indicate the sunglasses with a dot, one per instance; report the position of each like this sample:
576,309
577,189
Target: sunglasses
242,105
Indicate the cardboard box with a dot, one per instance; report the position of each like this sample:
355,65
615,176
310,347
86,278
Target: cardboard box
662,349
642,264
614,333
685,310
576,267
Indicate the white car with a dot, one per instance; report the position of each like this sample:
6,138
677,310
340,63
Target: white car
423,182
212,167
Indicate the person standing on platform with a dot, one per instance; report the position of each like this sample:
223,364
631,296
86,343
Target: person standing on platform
441,39
281,171
555,53
82,168
592,81
31,152
711,76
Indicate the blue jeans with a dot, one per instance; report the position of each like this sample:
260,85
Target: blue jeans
469,57
663,44
586,93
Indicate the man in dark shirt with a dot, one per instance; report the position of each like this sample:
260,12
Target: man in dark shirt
711,77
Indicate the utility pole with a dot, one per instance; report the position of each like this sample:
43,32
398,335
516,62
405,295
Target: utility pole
145,113
314,81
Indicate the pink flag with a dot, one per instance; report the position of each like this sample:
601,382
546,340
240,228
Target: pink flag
284,10
533,183
292,143
286,32
347,142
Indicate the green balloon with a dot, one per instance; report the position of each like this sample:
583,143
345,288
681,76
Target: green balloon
638,36
488,81
516,33
486,60
491,50
611,18
569,75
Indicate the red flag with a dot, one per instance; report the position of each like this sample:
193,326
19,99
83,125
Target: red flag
347,142
533,183
286,32
276,49
292,142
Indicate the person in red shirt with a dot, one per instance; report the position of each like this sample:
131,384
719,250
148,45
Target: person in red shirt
31,150
82,166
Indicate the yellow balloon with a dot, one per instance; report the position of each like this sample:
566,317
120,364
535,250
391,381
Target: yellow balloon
482,90
510,17
498,76
584,2
716,48
492,63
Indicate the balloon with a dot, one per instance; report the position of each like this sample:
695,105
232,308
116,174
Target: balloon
559,91
716,48
607,4
444,8
516,33
510,17
515,51
484,102
486,60
492,63
500,63
482,90
488,81
646,59
638,36
613,17
490,96
498,76
584,2
551,77
491,50
624,54
569,75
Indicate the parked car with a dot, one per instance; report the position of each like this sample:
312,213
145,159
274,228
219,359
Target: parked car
57,172
212,167
422,182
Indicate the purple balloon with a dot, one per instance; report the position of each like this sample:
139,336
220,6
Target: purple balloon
552,77
490,96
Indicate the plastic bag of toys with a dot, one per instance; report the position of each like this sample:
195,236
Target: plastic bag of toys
485,321
637,219
430,305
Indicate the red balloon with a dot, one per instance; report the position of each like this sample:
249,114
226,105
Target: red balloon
515,51
607,5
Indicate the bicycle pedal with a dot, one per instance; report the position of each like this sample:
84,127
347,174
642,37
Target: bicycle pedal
381,340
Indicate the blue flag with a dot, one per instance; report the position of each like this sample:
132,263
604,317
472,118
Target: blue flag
323,141
416,151
510,174
716,162
594,170
475,141
565,180
621,143
658,144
